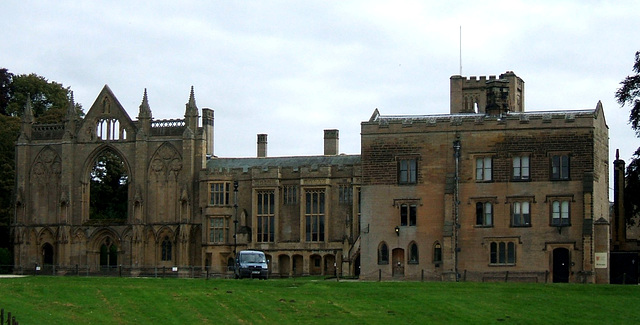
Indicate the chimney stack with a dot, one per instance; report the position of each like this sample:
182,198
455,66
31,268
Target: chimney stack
331,142
207,124
262,145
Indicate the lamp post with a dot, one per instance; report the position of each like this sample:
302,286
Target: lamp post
235,220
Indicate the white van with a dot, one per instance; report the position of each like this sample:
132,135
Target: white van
251,264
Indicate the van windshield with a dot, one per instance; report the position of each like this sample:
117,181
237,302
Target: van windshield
252,258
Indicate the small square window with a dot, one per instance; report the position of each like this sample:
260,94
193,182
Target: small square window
484,214
408,214
407,171
484,170
560,167
521,168
521,214
560,213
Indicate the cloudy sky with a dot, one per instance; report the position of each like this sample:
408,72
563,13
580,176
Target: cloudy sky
291,69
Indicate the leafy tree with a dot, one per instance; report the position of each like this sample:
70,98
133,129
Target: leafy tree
5,95
632,189
629,93
9,129
49,99
109,188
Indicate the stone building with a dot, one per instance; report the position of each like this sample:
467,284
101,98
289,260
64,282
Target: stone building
301,211
181,207
56,225
488,192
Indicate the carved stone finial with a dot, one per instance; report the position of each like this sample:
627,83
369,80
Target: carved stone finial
192,108
28,111
145,109
71,110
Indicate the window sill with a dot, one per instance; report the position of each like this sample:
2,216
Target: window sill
503,264
483,226
521,226
518,180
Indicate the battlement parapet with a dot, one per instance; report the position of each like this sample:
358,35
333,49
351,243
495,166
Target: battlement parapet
446,121
47,131
168,127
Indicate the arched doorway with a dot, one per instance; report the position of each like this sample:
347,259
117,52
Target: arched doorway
330,266
298,267
230,265
47,254
561,264
397,257
284,265
108,255
315,265
356,266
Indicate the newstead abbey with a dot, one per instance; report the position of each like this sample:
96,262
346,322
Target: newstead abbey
488,192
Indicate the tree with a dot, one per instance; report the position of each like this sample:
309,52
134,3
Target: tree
9,129
109,188
50,102
629,93
5,94
49,99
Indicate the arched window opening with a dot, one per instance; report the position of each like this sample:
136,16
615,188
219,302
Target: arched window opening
413,254
437,253
166,249
109,186
383,254
109,129
108,254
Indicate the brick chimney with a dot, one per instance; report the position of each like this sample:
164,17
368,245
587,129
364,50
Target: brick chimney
331,142
262,145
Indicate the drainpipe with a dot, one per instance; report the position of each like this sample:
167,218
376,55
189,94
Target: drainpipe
456,206
235,221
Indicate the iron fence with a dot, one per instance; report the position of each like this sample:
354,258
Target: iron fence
9,320
186,271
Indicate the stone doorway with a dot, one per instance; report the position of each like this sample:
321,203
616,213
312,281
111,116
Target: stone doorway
561,265
397,257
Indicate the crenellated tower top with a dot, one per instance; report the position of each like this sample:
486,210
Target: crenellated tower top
487,95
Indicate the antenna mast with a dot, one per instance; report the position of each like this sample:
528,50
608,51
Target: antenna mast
460,49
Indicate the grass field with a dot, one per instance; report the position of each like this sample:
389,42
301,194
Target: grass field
95,300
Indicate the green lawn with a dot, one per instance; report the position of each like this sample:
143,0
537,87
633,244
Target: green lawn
95,300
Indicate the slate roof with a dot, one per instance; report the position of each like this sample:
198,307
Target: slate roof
291,162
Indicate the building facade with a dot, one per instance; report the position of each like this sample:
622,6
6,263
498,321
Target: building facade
488,192
156,221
